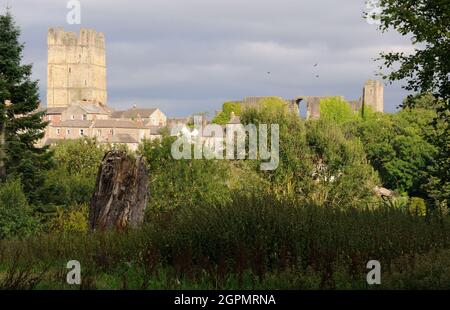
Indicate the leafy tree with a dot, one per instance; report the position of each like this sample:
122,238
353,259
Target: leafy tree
16,218
225,115
72,180
427,69
81,156
336,109
398,148
186,182
20,124
319,164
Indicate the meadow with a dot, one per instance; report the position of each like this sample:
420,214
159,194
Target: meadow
253,243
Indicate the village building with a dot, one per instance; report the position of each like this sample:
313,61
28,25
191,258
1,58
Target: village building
77,95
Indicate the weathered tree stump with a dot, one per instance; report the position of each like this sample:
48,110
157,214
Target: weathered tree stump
121,192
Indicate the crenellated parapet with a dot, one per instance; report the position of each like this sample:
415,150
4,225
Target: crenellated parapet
86,37
76,67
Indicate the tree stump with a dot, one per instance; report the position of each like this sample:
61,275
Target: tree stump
121,192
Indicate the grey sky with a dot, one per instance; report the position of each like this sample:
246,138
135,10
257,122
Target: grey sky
187,56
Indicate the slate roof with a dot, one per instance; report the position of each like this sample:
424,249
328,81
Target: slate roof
57,110
133,113
93,108
115,123
74,123
123,138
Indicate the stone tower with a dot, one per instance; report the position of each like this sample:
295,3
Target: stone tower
76,67
373,95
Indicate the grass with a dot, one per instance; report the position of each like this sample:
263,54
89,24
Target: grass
252,243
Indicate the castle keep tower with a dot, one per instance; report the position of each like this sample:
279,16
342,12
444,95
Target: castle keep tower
76,67
373,95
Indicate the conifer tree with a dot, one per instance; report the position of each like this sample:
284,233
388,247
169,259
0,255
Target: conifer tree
21,125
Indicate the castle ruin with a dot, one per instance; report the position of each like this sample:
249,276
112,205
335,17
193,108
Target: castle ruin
77,103
373,95
76,67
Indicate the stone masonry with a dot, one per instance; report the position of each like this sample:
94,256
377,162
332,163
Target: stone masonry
76,67
373,95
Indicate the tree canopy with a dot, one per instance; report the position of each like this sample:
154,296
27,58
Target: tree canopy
21,126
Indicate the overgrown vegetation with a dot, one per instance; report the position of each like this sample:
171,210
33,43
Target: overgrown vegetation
252,242
313,223
225,115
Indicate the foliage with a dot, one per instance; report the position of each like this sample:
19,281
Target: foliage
318,163
72,181
225,115
71,220
16,217
425,70
428,67
182,183
21,125
63,189
336,109
341,172
252,242
418,206
81,156
273,105
398,148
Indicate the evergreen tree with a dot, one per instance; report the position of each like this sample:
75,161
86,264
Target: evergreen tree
21,125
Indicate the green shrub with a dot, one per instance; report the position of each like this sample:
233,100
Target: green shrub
418,206
337,110
319,163
225,115
70,220
64,189
428,271
183,183
16,218
72,181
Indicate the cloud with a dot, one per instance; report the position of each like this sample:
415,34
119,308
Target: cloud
191,55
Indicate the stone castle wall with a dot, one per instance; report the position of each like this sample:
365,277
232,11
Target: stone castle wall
76,67
373,95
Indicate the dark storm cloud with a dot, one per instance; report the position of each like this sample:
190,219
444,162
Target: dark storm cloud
191,55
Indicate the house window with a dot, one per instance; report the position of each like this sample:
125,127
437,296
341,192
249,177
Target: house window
68,132
99,132
81,132
58,131
50,118
72,117
111,131
84,117
70,70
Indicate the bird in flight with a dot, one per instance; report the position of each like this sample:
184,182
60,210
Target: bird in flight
315,65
